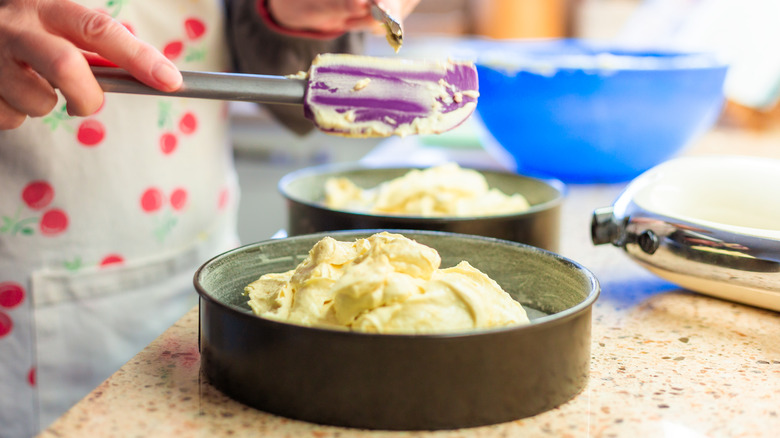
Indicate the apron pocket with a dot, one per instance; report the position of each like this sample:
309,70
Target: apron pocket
89,324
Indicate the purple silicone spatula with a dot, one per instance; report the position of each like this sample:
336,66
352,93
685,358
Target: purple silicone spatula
349,95
361,96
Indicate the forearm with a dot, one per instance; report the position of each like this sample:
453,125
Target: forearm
257,48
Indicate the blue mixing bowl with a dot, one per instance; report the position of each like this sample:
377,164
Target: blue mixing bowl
584,113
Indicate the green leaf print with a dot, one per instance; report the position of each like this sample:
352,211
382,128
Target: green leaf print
164,119
56,118
195,54
73,265
115,7
166,223
7,224
14,225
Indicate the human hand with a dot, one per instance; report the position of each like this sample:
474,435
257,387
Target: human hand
399,9
44,44
334,15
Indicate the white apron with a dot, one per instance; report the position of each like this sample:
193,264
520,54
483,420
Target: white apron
104,219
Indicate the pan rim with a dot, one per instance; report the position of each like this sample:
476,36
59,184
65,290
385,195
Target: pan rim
541,323
337,168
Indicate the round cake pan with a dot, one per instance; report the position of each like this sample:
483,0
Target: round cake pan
401,382
538,226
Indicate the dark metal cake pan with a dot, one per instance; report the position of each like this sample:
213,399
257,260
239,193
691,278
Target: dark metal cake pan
304,191
401,382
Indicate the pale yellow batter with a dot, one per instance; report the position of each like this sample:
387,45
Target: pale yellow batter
367,96
385,283
447,190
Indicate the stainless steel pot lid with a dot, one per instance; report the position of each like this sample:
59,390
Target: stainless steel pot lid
710,224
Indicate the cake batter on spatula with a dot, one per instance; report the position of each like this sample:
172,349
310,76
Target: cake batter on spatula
348,95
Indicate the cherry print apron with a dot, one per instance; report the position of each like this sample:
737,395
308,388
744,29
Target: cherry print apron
104,219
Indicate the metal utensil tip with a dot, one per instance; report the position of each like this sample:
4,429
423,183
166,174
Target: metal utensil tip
393,28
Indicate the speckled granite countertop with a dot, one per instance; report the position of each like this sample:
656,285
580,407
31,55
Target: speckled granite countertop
665,362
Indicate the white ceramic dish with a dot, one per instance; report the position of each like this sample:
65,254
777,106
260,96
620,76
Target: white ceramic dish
710,224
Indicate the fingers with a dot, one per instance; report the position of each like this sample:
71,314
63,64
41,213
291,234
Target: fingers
60,64
26,91
356,8
400,9
96,32
364,23
10,117
42,45
319,15
23,91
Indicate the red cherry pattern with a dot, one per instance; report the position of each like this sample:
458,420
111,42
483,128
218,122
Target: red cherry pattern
173,50
223,198
194,29
168,143
53,222
6,324
112,259
169,140
90,132
38,194
178,199
11,295
188,123
151,200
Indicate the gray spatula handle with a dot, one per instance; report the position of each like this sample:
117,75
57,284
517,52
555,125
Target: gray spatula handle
207,85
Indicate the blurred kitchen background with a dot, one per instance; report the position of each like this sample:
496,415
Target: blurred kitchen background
743,32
